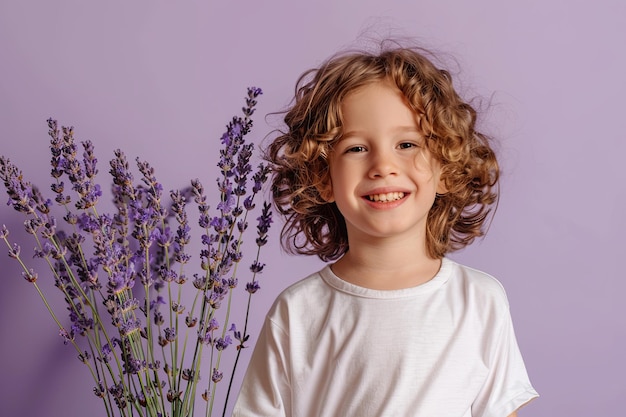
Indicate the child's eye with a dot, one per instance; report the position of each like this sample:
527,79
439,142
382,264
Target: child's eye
355,149
407,145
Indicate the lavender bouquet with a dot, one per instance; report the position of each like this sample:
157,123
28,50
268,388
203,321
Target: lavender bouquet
122,275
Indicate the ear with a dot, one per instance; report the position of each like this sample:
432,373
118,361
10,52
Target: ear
441,187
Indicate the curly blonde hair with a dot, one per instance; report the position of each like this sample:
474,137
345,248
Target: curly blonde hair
469,169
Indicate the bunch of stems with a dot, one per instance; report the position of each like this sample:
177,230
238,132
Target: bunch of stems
123,276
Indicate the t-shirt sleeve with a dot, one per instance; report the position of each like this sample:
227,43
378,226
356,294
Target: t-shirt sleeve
265,391
507,386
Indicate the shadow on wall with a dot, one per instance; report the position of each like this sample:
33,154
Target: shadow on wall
35,376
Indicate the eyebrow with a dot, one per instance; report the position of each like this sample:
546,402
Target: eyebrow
398,129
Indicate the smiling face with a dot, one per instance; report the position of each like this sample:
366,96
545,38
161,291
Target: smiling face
383,179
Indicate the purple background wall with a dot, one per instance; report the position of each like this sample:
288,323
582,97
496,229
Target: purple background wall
160,80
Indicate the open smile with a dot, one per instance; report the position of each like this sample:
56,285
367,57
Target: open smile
386,197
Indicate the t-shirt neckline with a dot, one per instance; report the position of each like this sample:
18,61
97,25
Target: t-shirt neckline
437,281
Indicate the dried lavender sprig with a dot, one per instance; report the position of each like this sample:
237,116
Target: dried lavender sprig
81,176
218,260
23,196
31,277
156,219
264,222
263,225
166,276
181,239
27,199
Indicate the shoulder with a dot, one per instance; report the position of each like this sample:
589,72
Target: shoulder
304,288
305,295
476,286
476,279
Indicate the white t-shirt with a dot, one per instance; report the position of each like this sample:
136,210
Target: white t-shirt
445,348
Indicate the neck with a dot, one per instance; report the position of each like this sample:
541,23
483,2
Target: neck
387,265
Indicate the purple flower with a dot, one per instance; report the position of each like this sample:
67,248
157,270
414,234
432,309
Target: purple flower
213,325
253,287
89,160
90,197
14,251
30,275
242,226
219,224
167,275
88,222
71,218
107,350
227,201
99,390
120,281
49,226
134,366
199,281
182,234
254,92
170,334
248,202
223,343
180,257
67,337
256,267
205,339
81,323
238,336
260,177
22,195
129,327
56,146
265,221
236,255
162,237
215,299
156,302
132,304
32,225
217,375
122,177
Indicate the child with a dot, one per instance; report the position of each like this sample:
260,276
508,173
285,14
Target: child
382,171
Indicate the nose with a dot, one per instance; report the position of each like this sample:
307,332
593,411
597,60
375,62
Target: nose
383,164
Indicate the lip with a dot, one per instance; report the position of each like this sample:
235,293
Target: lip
385,190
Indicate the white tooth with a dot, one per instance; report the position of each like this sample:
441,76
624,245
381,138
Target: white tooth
384,198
